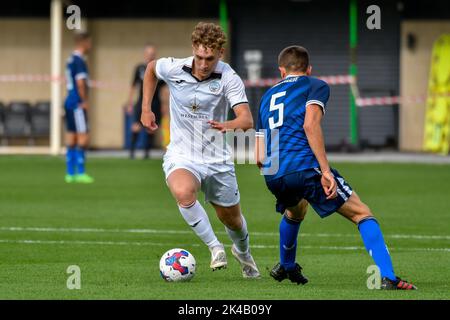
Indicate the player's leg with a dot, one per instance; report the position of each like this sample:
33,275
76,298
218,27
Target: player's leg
289,228
291,203
236,228
71,156
82,144
360,214
184,187
235,225
71,146
221,190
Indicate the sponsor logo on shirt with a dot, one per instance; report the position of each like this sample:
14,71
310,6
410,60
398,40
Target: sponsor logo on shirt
194,116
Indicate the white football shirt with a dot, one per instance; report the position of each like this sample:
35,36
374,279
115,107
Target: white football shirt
193,103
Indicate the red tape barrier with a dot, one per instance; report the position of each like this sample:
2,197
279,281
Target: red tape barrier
260,83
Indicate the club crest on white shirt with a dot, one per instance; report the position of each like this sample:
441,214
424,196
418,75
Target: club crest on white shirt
214,86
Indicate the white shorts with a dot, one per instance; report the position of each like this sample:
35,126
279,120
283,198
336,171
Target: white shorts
218,181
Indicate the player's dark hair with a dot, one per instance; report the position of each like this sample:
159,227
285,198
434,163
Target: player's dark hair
294,58
81,36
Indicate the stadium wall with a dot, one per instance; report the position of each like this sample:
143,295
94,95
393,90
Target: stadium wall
323,28
415,70
118,47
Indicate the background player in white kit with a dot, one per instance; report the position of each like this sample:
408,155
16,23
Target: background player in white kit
202,89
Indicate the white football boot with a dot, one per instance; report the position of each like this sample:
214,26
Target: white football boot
218,257
248,264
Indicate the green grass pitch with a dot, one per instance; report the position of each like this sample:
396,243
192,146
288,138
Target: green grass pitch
47,225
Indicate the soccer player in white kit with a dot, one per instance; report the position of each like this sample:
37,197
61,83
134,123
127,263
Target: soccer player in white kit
202,91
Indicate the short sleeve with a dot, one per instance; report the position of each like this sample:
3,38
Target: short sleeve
235,91
162,68
318,94
80,69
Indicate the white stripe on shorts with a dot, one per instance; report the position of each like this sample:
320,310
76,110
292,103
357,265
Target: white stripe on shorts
80,120
342,194
346,188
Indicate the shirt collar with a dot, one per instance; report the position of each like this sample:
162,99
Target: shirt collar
294,75
188,68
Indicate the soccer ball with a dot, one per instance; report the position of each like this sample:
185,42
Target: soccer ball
177,265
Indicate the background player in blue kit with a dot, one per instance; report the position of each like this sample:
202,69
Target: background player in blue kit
76,111
290,114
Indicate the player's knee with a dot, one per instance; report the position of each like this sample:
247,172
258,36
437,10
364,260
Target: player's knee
83,141
298,212
362,212
296,215
184,198
71,140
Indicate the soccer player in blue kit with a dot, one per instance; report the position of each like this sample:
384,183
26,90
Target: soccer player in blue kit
290,117
76,108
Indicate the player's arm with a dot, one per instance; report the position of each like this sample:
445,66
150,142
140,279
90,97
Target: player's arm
148,88
260,148
243,120
313,131
81,82
82,92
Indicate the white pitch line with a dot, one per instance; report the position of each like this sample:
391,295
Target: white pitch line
159,244
156,231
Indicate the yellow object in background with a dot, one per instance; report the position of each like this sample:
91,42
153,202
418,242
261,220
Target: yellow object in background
437,118
165,130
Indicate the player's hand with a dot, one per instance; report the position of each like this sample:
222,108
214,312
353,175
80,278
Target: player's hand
217,125
84,105
329,185
148,121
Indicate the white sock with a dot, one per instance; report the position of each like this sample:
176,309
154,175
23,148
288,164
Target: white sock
197,218
240,237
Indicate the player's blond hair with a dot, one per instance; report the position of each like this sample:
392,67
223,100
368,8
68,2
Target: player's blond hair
208,35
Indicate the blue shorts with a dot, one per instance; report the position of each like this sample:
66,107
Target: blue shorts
293,187
76,120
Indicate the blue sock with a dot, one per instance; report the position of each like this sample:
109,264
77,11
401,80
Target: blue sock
374,243
71,158
288,242
80,160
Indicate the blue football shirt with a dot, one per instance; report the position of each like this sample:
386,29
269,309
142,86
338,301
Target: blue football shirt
76,69
281,118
